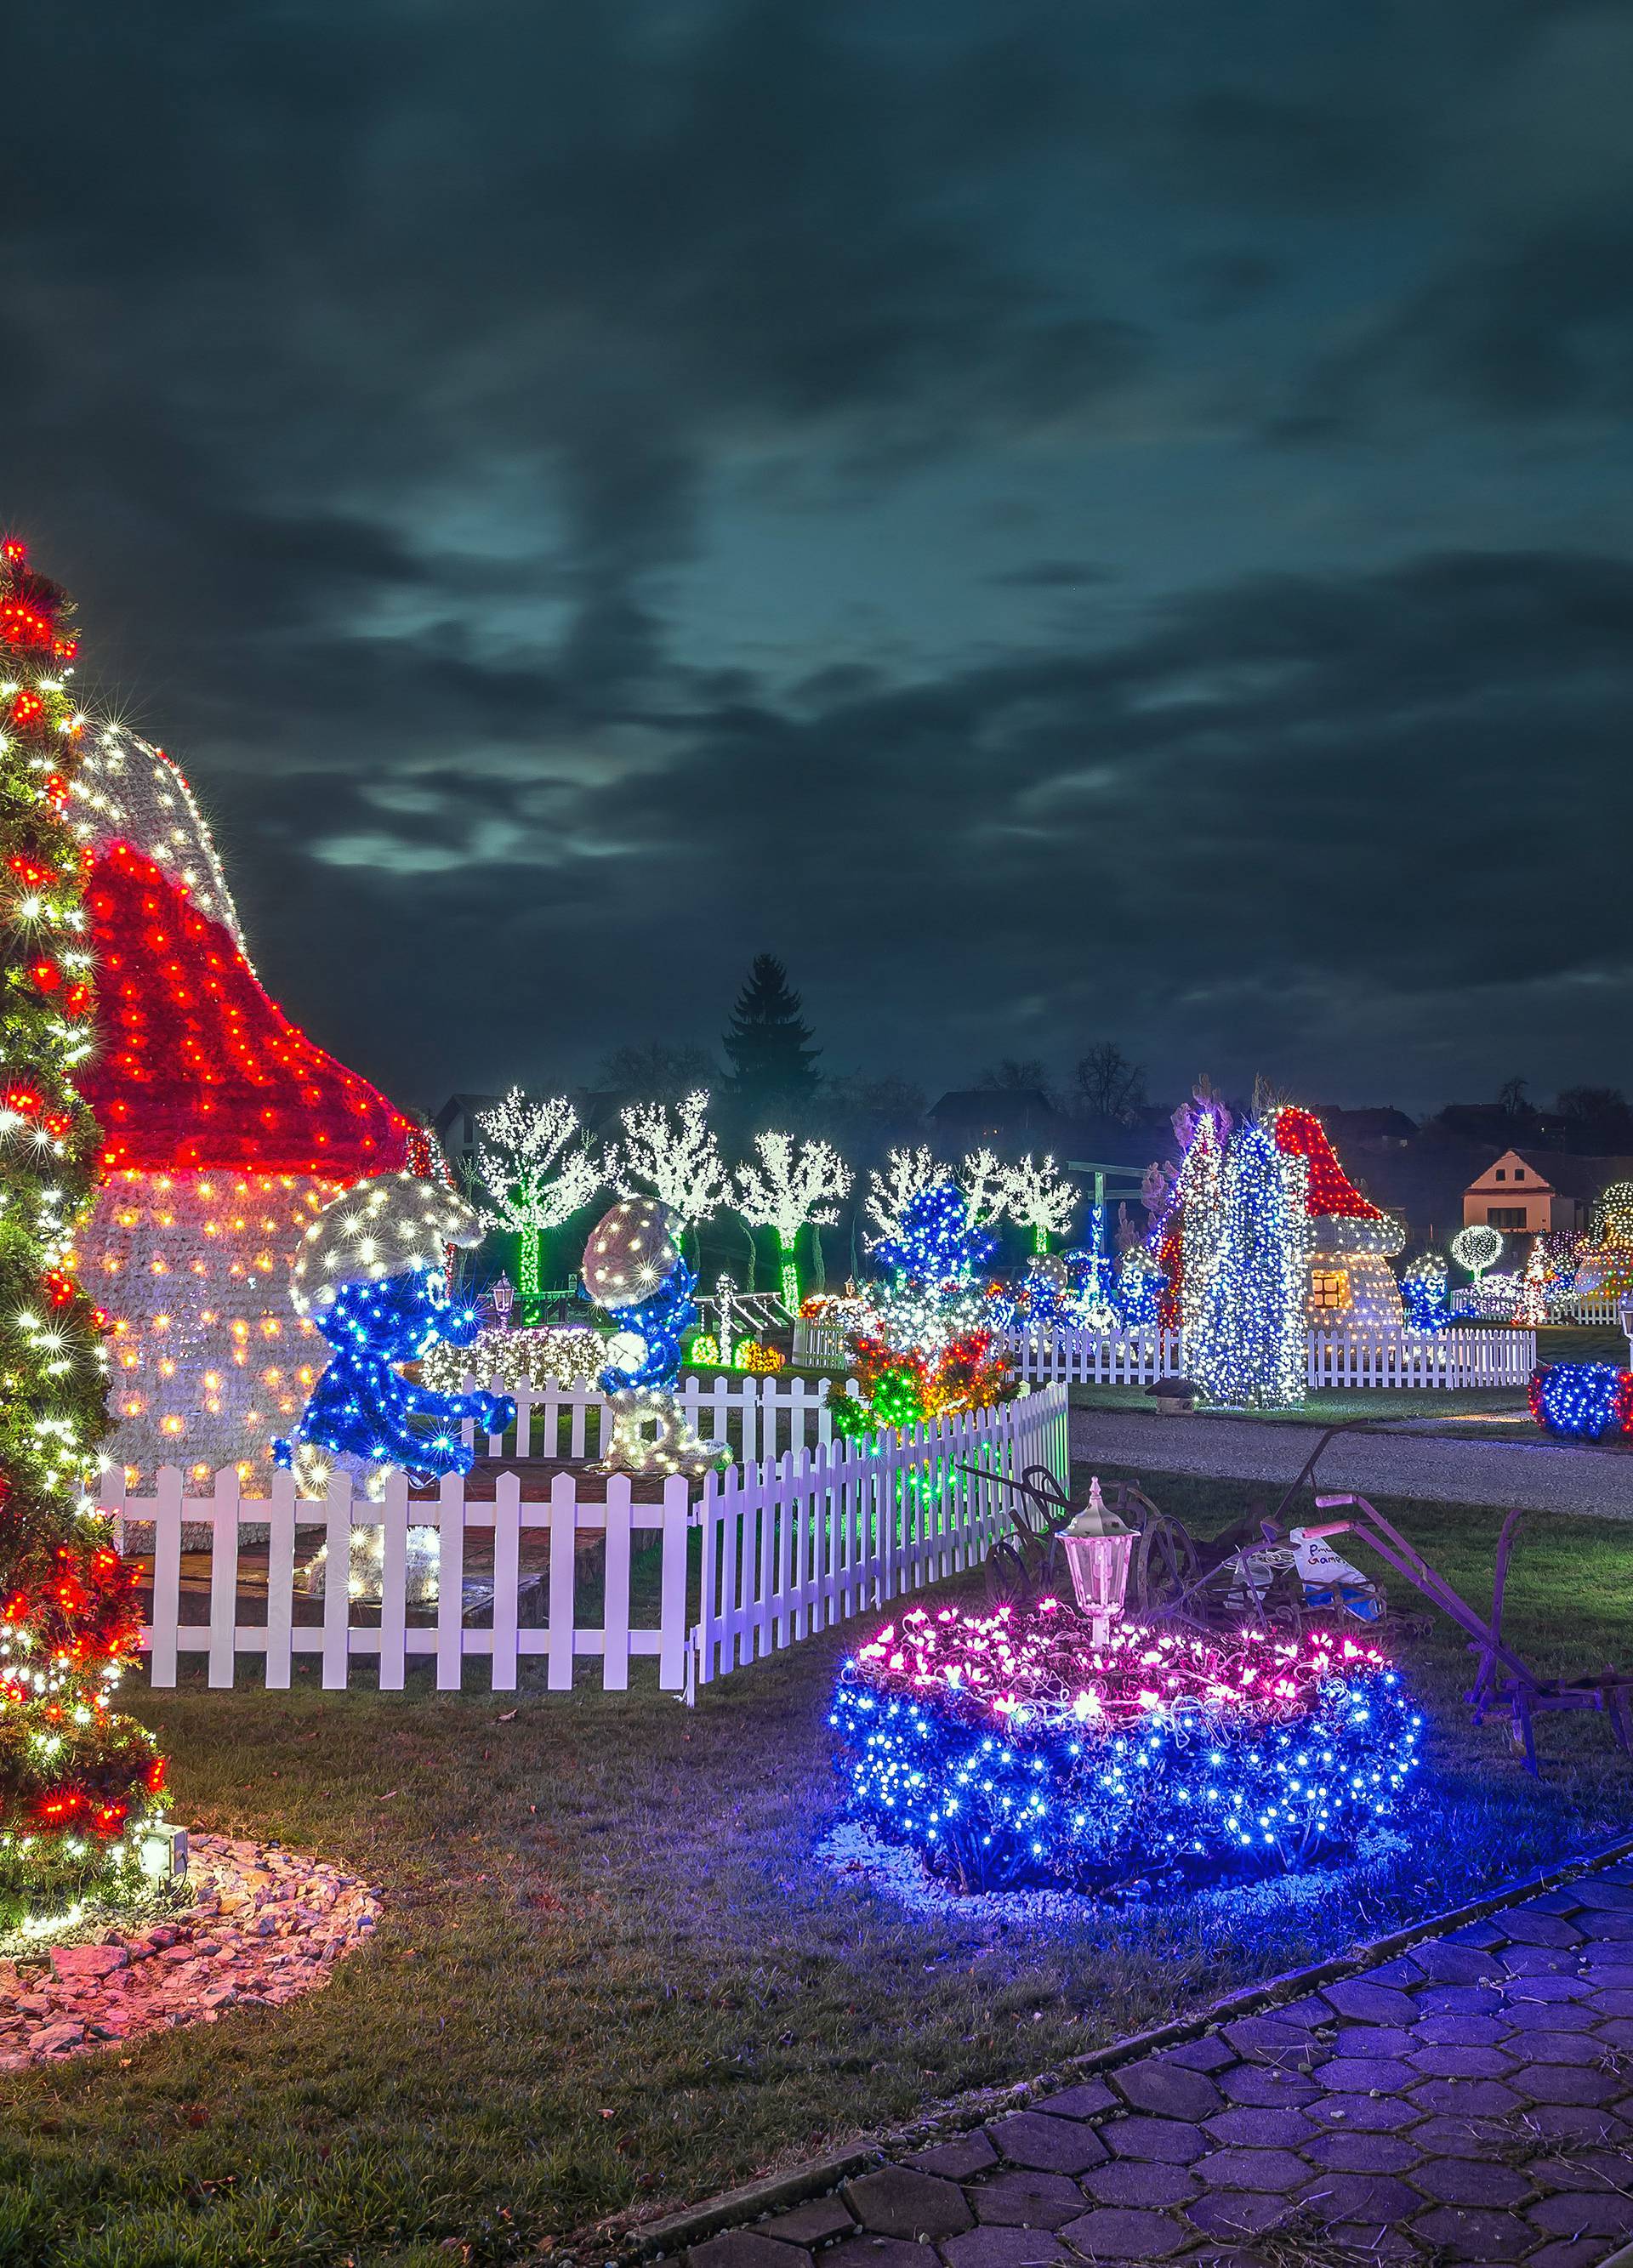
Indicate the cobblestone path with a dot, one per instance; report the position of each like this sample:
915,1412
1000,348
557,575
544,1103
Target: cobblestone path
1470,2101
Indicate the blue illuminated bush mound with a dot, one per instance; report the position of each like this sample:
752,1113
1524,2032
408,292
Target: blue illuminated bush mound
1005,1752
1582,1401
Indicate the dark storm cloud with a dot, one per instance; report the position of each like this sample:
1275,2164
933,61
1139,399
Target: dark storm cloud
593,492
1053,575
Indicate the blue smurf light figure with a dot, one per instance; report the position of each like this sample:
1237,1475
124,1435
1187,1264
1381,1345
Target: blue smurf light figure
632,1266
370,1276
658,1322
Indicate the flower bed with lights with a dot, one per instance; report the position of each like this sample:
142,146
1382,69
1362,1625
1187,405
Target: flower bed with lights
1007,1750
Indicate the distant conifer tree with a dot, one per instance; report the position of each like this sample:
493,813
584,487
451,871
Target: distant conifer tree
773,1066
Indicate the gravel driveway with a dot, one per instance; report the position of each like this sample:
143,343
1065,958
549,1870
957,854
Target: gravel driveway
1542,1475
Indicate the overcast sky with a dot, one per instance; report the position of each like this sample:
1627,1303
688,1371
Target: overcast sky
1099,519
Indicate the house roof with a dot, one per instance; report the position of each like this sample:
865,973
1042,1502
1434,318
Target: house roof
1554,1170
461,1106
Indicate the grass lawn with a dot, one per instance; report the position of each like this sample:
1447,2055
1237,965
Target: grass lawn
613,1974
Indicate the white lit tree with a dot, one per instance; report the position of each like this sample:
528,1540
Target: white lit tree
986,1188
908,1174
1041,1199
536,1169
672,1155
1248,1347
1203,1129
794,1184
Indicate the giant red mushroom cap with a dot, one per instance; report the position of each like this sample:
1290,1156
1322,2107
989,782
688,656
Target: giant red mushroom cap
1300,1134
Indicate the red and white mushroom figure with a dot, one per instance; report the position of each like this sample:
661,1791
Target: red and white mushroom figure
226,1132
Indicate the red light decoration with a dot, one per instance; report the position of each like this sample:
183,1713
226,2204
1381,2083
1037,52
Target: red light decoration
13,552
197,1066
31,872
46,976
27,708
1300,1134
22,625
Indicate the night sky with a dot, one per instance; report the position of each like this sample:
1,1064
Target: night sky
1108,520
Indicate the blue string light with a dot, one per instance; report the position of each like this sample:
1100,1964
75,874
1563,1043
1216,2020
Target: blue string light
660,1324
360,1406
1582,1401
1045,1798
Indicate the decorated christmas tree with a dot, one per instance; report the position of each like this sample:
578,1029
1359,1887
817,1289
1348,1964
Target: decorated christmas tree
76,1780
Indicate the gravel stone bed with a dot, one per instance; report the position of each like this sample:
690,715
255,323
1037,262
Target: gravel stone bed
268,1923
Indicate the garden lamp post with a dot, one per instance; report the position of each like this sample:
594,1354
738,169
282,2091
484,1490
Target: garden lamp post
1098,1549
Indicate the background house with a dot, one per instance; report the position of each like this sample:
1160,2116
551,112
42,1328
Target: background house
1009,1116
455,1126
1525,1193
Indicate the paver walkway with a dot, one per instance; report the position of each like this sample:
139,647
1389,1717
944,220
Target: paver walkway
1539,1473
1471,2100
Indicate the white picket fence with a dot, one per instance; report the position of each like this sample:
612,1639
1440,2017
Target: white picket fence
1097,1357
790,1549
1422,1359
481,1541
1358,1359
758,1417
788,1545
1603,1308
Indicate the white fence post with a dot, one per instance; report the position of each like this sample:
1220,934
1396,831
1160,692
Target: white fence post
280,1582
224,1577
166,1574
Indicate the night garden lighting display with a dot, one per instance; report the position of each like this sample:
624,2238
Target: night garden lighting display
922,1341
77,1780
1582,1401
1008,1751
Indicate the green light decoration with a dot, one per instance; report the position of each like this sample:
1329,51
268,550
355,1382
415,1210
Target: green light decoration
1477,1248
794,1184
536,1170
1041,1199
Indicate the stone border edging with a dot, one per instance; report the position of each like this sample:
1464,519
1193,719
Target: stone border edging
674,2233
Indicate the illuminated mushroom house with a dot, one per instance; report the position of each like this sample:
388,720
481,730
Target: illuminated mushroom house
1350,1285
225,1131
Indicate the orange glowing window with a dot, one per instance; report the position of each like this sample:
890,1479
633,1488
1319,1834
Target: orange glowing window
1329,1287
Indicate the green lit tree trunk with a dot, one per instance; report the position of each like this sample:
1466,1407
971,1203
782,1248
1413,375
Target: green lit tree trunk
790,1275
1040,1238
528,1282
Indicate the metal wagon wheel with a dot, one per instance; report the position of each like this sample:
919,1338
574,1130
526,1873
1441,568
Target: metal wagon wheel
1165,1564
1010,1581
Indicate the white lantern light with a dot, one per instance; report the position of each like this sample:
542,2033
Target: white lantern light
1098,1549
